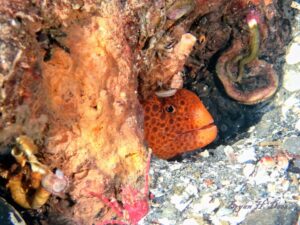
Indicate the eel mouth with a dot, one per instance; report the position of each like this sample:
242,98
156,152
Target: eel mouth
188,141
201,137
207,127
197,138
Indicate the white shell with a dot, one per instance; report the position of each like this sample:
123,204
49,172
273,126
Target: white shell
55,183
166,93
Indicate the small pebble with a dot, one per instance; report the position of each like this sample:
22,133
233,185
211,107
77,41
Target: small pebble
234,219
267,162
292,56
175,167
282,162
166,221
284,185
190,222
247,155
229,152
292,145
157,193
208,182
295,180
168,212
218,221
248,170
224,212
204,154
207,204
251,129
297,125
271,188
292,81
288,105
238,188
182,200
225,182
297,163
261,177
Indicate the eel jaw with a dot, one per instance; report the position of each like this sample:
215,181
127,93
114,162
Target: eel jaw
211,133
191,140
207,134
199,137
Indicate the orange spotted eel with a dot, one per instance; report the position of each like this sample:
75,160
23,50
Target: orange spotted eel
177,124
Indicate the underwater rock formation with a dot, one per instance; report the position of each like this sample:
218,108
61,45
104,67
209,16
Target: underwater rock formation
72,89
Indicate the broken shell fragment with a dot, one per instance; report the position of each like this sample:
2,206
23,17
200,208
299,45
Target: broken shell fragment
38,167
282,162
25,153
26,145
179,9
25,187
20,193
166,93
56,182
267,162
247,155
248,169
185,46
19,156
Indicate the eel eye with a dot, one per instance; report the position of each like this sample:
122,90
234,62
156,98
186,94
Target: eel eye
170,109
